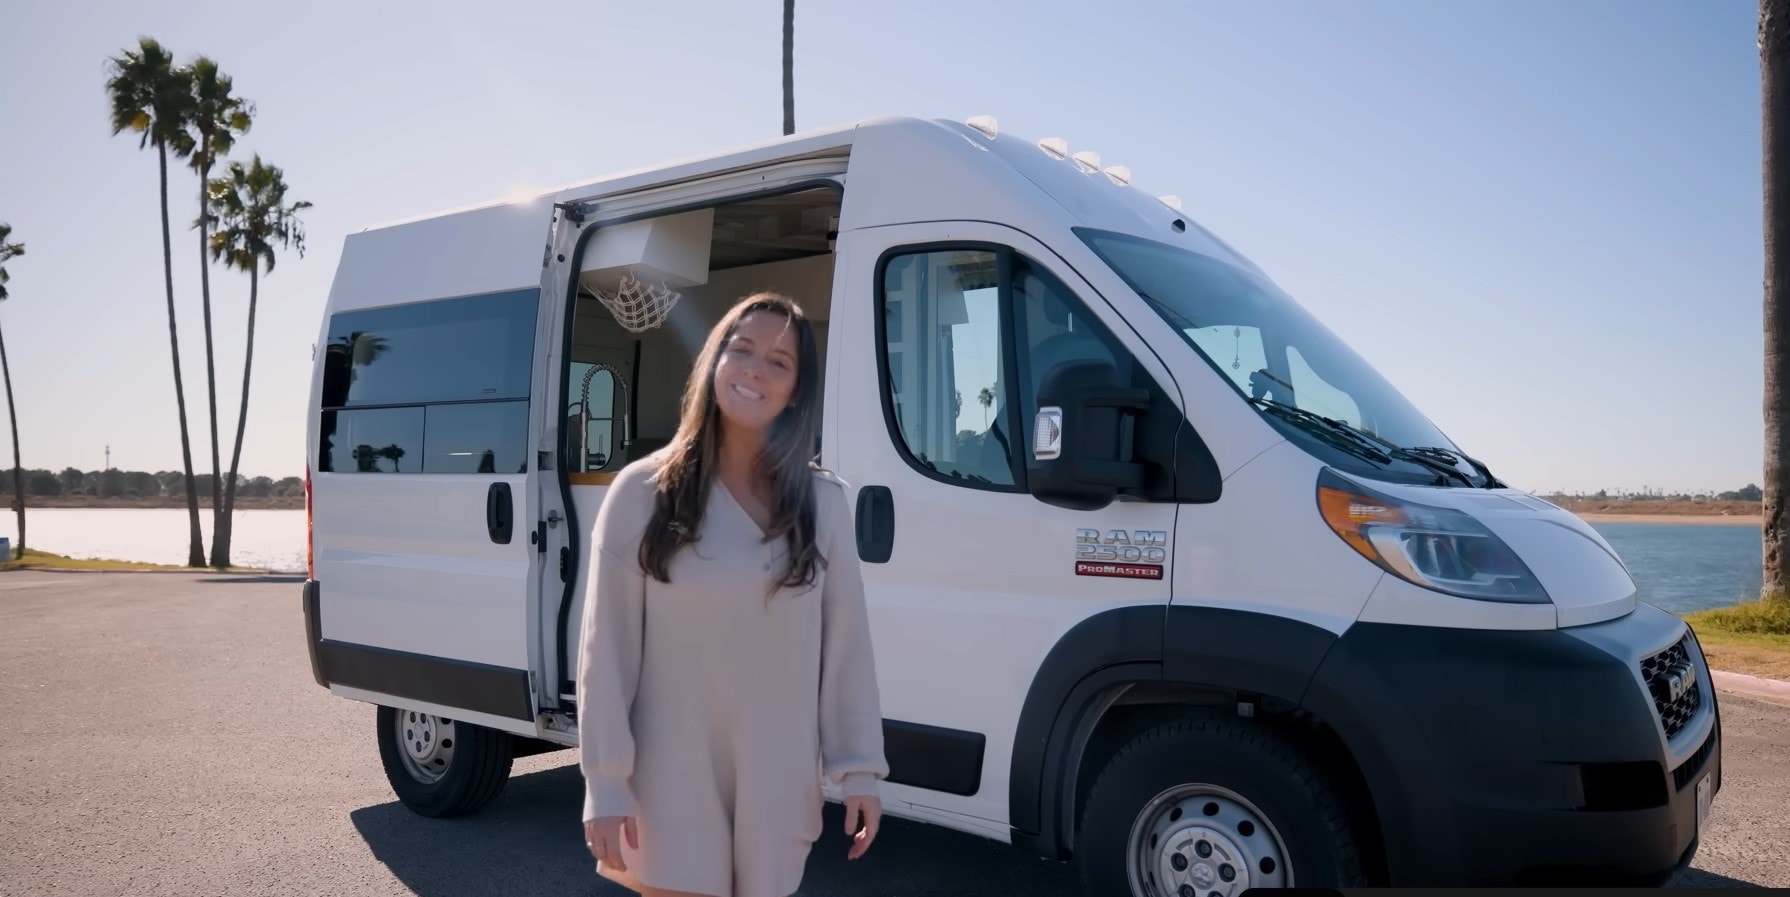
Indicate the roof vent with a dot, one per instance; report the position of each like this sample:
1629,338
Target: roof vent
1173,202
1088,160
986,124
1056,147
1119,174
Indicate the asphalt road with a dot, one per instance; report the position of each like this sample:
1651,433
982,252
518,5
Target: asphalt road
162,735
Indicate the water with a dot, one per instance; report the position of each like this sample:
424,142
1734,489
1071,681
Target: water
1686,567
1680,567
272,540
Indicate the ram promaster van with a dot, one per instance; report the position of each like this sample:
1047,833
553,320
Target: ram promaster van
1165,580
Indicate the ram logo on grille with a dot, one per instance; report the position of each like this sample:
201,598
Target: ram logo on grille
1672,682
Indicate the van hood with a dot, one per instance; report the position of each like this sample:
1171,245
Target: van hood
1583,574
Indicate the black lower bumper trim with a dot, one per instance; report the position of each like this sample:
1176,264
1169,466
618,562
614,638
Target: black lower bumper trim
1517,758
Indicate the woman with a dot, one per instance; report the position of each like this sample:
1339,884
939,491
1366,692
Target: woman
725,664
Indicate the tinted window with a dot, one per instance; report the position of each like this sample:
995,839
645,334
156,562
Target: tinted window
469,348
487,437
942,350
375,440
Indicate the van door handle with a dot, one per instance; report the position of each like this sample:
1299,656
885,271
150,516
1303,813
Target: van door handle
876,524
500,516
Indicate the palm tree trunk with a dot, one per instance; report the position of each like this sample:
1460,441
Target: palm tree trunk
220,540
1774,46
789,66
18,470
211,377
195,554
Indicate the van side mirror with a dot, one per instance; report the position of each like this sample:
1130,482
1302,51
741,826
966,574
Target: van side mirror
1084,436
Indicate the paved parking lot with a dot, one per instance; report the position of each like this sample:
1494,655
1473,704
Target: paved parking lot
163,736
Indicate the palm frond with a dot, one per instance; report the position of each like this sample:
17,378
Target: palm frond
150,96
218,116
8,252
248,202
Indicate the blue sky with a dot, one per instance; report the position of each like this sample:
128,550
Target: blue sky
1539,219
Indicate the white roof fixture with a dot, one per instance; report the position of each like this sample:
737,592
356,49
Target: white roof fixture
1172,201
1057,147
986,124
1088,161
1119,174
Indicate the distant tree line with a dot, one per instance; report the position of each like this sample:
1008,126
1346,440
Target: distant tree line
116,483
1749,492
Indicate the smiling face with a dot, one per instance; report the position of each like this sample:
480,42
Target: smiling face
756,373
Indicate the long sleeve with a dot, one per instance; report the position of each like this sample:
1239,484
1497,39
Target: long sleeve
851,720
609,660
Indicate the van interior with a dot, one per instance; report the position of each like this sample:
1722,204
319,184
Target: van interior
624,388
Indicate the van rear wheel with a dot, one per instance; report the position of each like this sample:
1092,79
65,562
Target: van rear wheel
1211,807
442,767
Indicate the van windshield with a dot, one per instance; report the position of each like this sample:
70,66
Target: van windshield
1300,376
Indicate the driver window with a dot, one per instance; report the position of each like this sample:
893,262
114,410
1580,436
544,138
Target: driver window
1054,328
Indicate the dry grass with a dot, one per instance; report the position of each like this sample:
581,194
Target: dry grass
43,560
1752,637
1657,507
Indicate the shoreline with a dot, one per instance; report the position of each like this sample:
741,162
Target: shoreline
150,504
1676,519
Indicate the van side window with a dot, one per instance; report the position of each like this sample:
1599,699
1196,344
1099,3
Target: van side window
1055,327
431,387
944,383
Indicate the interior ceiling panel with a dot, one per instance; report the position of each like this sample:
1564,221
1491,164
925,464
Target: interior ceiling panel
773,228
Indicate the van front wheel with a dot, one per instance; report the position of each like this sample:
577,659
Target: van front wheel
1212,808
442,767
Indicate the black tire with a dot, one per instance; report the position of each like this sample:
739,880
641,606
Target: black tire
1300,812
473,776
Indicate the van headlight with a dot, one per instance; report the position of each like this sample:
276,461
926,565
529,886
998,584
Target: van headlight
1436,548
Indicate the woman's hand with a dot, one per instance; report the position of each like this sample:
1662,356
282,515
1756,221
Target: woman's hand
604,838
869,810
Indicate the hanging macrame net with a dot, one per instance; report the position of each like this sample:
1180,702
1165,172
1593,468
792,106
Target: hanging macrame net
637,306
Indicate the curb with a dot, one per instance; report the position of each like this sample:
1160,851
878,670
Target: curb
1774,690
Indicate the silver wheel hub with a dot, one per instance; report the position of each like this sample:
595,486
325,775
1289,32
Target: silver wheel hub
1204,841
428,744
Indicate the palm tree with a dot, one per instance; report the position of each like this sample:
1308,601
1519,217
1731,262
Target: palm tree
8,252
789,66
253,218
1774,70
154,98
986,397
217,118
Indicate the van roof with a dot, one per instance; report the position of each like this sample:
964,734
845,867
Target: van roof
900,169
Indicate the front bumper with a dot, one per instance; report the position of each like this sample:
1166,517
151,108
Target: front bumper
1497,758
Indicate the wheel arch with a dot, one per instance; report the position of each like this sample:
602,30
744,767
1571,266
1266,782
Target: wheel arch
1124,670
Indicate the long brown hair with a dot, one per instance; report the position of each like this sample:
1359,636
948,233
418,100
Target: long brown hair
688,464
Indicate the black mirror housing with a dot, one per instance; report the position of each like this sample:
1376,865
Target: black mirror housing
1082,450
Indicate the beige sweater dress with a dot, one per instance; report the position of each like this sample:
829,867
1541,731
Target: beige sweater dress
711,715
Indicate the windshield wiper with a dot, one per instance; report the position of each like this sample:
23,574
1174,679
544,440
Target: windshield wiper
1453,456
1368,441
1338,433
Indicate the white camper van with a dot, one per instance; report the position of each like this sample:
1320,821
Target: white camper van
1165,580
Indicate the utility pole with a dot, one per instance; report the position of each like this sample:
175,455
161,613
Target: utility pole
108,457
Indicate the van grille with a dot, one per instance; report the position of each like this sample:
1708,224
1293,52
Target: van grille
1672,682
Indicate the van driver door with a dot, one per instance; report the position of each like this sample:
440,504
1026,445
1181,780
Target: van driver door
948,329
